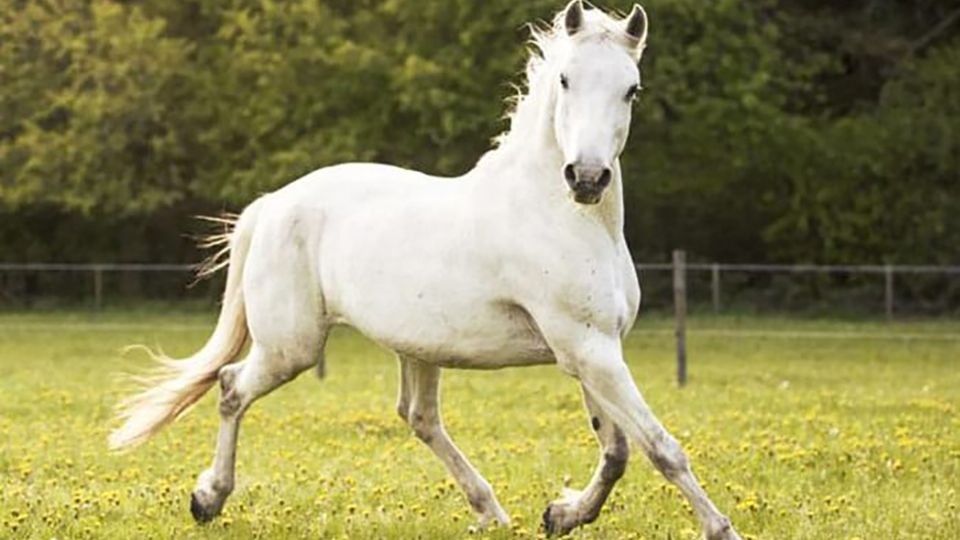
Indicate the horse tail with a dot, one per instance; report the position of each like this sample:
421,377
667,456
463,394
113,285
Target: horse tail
168,392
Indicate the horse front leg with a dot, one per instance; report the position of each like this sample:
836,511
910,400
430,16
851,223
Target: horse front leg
596,359
580,507
421,400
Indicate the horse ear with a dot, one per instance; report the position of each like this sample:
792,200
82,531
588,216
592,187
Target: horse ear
636,26
573,17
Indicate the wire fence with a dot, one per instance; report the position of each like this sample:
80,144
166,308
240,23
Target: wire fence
883,290
914,288
30,284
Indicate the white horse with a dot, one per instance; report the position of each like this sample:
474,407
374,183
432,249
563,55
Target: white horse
520,261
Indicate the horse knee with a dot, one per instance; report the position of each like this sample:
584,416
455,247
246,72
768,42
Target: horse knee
424,426
667,456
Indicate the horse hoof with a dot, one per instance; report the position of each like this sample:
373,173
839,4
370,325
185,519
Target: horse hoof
200,514
552,524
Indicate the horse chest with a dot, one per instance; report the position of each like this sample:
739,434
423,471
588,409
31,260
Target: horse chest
594,294
577,272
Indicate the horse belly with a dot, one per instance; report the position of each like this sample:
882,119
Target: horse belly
462,335
495,337
441,309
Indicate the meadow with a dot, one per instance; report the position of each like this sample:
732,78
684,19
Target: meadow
800,429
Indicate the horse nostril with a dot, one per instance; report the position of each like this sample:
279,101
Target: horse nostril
570,174
604,179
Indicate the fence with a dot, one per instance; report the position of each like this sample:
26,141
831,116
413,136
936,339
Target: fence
716,285
96,272
887,272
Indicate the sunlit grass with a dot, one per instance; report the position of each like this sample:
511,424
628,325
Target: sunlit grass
795,437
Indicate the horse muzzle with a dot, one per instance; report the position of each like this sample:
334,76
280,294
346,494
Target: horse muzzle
587,182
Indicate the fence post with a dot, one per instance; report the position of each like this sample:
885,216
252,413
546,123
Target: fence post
680,309
98,287
888,290
715,286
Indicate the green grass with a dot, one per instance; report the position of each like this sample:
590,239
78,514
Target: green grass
796,434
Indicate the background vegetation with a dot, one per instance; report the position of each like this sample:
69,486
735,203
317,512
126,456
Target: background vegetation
771,130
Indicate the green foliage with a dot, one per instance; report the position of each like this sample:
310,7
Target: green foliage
882,184
769,130
90,108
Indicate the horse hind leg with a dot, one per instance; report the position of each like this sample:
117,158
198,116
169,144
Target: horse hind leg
419,397
285,319
240,385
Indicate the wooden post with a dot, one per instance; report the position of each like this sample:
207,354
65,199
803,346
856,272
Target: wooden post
98,287
888,290
680,309
715,286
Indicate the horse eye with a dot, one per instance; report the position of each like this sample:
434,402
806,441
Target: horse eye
632,92
564,82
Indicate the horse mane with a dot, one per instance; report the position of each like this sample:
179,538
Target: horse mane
545,40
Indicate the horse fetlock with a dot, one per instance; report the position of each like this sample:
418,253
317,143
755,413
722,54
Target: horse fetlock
561,517
210,482
484,503
494,515
570,511
208,498
721,529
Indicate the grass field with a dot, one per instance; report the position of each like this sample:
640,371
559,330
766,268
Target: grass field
800,429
